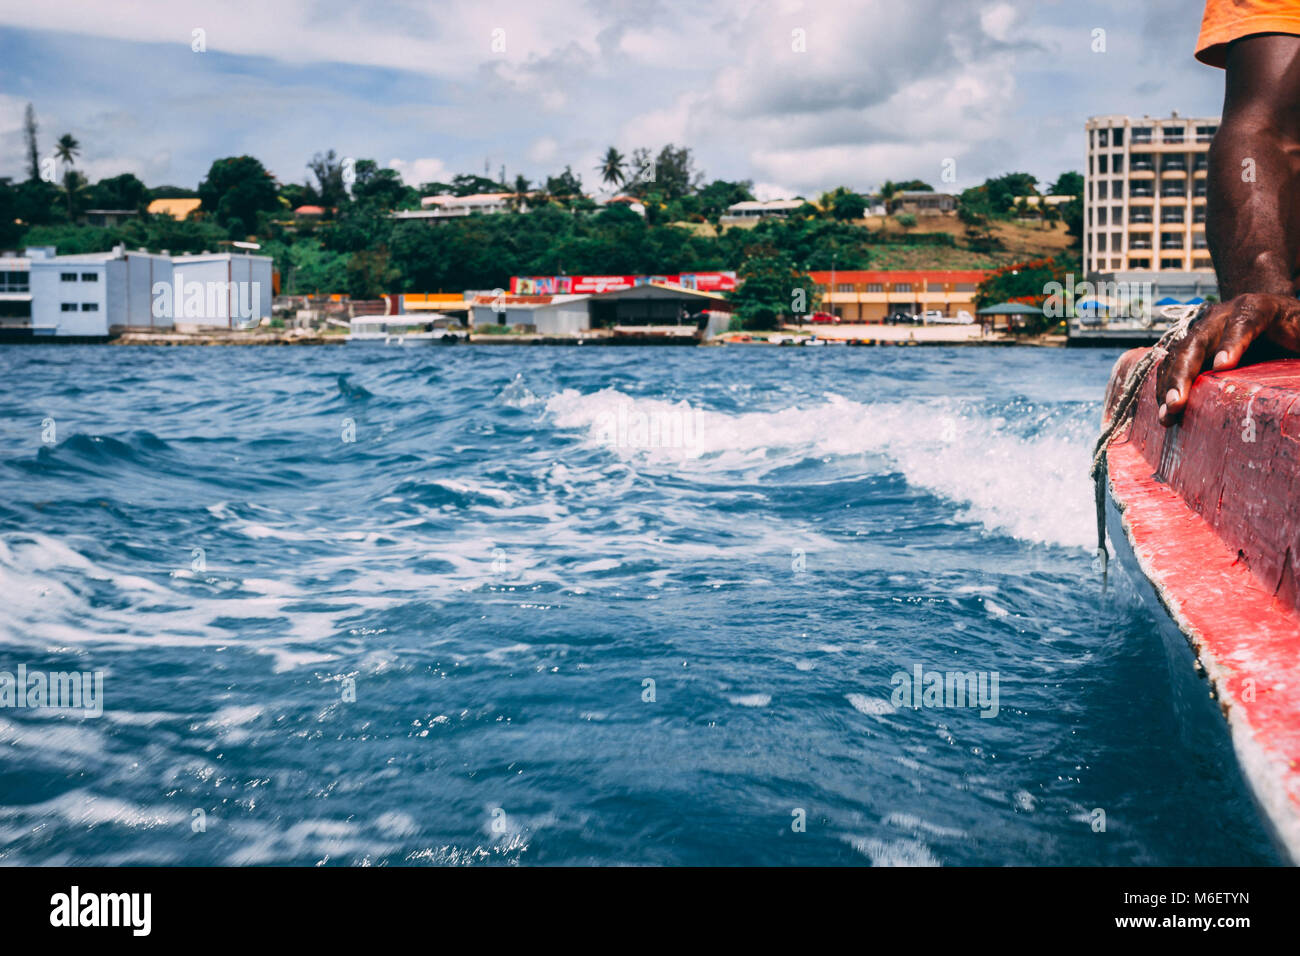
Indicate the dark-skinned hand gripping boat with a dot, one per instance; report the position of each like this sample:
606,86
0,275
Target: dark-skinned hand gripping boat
1208,511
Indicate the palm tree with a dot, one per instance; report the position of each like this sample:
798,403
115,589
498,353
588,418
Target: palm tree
611,167
74,187
888,192
521,191
67,148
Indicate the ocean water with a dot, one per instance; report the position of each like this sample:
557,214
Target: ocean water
368,606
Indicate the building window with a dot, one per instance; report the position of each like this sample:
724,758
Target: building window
1101,216
1103,190
1171,263
1205,133
1139,263
1117,163
1172,214
875,287
67,277
964,287
1103,163
1202,264
90,307
1141,135
15,281
1103,137
90,277
1119,141
844,287
67,307
1101,241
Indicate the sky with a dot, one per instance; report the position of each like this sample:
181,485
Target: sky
796,97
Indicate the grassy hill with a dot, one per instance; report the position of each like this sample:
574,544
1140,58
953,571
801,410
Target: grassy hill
1019,241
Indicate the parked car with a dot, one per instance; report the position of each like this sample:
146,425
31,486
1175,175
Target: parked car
901,318
932,315
824,318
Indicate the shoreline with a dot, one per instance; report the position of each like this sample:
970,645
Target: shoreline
858,337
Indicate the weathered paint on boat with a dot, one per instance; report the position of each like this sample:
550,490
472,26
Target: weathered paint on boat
1211,510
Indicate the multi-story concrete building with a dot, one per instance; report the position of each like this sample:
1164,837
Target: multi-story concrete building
1144,194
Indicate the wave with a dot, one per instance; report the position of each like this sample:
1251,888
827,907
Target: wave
1023,472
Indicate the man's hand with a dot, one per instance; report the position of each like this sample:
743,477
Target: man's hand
1219,338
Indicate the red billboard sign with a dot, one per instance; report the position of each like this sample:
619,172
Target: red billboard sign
594,285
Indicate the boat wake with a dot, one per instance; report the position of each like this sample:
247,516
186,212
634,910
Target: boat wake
1019,470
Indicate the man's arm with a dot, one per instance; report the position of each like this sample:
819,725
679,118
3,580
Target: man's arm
1253,217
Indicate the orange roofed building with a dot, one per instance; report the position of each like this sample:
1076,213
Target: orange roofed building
865,295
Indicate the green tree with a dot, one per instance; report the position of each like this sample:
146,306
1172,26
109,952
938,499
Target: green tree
173,192
75,192
1067,184
566,185
369,273
1024,283
236,190
67,148
974,215
768,290
1051,214
467,184
611,167
844,204
11,230
330,189
33,152
1003,190
381,188
120,192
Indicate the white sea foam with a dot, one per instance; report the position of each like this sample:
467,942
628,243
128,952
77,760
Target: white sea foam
871,706
1034,488
894,852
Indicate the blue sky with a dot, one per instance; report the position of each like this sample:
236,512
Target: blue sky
798,97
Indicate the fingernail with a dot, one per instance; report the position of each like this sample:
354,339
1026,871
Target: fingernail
1163,410
1221,360
1172,396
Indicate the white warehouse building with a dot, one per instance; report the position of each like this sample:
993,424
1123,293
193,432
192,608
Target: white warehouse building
547,314
90,296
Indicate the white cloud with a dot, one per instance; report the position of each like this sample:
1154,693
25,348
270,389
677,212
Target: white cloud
885,90
424,170
998,20
544,150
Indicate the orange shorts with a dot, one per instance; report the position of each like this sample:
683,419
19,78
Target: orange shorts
1228,20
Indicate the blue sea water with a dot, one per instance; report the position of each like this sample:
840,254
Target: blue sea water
581,605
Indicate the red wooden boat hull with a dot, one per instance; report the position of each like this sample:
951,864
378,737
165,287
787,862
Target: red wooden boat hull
1211,511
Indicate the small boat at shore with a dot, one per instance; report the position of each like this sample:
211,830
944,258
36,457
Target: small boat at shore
1207,512
405,330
